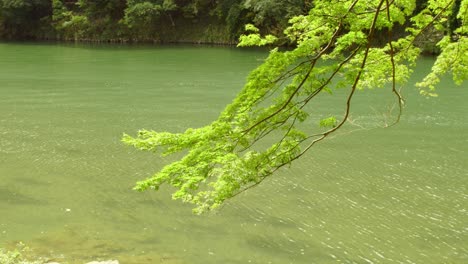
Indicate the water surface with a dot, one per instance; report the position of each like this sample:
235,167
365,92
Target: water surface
368,195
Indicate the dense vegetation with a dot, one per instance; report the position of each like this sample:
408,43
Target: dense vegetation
351,45
143,20
207,21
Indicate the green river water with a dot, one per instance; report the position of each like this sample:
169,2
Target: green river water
367,195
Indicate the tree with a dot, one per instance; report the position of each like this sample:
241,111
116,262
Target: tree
337,45
269,13
144,16
70,24
22,18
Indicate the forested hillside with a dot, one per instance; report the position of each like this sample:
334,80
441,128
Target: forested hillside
211,21
159,21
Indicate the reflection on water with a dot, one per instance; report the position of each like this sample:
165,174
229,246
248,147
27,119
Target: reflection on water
368,195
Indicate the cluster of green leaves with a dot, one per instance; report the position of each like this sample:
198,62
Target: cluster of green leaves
454,46
68,22
84,19
336,38
16,256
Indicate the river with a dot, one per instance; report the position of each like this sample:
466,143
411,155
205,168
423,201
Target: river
367,195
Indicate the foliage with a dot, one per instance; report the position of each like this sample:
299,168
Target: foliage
139,19
454,47
16,256
271,12
254,38
22,18
335,47
141,13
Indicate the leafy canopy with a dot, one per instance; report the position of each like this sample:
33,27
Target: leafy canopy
336,38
